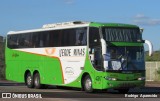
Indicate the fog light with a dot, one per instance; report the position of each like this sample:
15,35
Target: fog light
141,78
111,79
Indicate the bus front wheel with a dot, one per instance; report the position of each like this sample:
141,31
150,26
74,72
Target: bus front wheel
29,80
37,83
87,83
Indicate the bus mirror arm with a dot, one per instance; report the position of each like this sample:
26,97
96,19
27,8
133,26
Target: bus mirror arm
150,47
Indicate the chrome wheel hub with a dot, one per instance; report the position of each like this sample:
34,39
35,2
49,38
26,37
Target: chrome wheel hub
88,84
29,80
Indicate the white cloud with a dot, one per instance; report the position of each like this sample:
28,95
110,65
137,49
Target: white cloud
141,16
141,19
69,1
155,22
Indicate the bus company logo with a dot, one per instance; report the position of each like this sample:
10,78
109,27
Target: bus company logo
6,95
69,71
50,51
15,55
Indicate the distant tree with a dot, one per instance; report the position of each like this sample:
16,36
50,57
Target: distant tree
154,57
2,60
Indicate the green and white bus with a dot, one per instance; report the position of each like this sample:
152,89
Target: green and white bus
87,55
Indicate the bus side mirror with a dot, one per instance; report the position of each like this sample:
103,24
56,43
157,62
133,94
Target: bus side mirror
104,51
150,46
104,46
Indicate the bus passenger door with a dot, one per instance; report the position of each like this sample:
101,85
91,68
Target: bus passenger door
95,50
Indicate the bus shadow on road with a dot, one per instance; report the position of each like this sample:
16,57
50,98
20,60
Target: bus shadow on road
146,90
143,90
12,84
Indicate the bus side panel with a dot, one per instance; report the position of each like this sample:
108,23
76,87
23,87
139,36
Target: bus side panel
12,71
89,70
12,65
49,68
29,61
51,72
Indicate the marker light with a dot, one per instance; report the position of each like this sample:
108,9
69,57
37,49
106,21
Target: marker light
141,78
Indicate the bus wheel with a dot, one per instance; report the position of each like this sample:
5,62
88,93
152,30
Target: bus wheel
37,83
29,80
87,83
123,91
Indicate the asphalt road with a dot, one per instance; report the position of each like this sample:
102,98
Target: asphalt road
52,93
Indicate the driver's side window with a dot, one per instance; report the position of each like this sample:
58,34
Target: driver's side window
94,37
95,48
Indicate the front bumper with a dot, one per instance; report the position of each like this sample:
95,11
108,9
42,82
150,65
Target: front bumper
123,84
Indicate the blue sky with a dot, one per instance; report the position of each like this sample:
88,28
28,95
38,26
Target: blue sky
32,14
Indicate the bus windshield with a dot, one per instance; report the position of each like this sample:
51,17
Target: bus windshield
125,58
120,34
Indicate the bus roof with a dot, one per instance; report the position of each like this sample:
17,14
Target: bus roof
98,24
55,26
72,24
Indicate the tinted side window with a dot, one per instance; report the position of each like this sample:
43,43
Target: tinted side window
37,39
81,36
54,38
24,40
74,37
94,37
12,41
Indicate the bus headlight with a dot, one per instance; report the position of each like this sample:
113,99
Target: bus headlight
110,78
141,78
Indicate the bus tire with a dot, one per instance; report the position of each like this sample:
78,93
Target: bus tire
29,80
36,80
87,84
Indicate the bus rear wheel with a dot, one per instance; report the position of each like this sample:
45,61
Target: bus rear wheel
29,80
37,83
87,84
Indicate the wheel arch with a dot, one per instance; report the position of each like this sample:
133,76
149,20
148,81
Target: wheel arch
36,71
